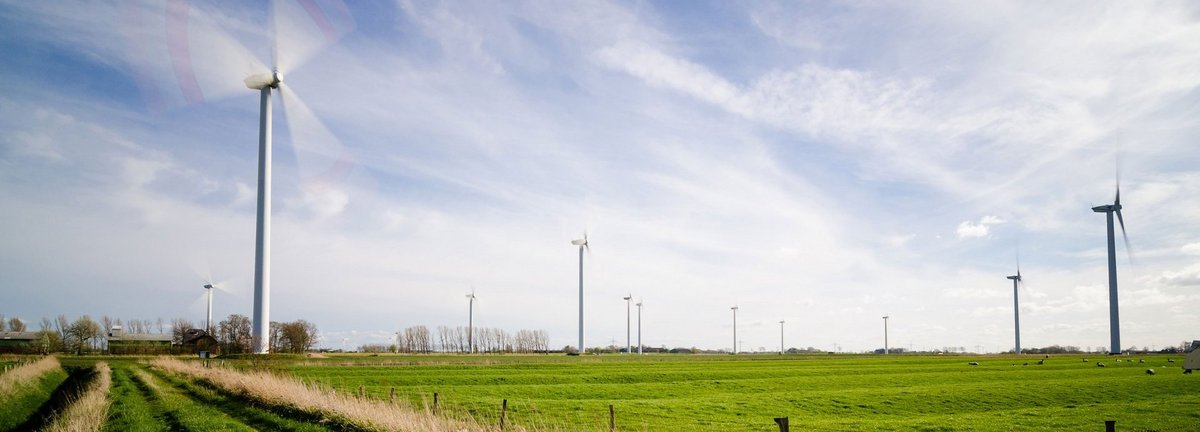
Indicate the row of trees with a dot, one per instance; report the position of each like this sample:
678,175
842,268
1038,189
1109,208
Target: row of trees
233,334
418,339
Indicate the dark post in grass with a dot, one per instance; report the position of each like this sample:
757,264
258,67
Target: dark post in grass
612,419
392,396
503,412
1110,426
783,423
360,391
435,403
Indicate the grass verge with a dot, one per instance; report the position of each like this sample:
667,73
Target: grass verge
89,411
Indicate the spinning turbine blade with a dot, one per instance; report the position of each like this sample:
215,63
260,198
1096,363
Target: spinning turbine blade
322,160
304,27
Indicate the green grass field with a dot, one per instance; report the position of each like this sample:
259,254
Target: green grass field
815,392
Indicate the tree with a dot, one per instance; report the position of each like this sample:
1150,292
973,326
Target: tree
179,326
234,334
298,336
15,324
82,331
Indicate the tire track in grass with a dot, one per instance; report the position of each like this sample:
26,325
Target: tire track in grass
60,399
248,414
135,407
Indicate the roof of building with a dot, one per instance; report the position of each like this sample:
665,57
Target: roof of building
18,335
145,337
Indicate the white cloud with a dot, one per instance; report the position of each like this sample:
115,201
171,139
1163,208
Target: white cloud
967,229
1191,248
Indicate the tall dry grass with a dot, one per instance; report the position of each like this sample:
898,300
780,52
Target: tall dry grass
88,412
26,375
291,392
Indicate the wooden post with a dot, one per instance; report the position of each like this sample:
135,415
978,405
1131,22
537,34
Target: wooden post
503,412
360,391
435,403
783,423
392,396
1110,426
612,419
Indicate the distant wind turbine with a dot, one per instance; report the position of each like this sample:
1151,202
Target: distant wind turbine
628,341
583,244
639,305
885,335
1016,307
1114,322
781,337
471,322
735,341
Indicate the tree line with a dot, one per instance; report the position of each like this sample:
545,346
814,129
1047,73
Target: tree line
419,339
233,334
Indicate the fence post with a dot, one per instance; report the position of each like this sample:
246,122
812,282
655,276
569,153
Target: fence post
435,403
360,391
612,419
783,423
1110,426
392,396
503,412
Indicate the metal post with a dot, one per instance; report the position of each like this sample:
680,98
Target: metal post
262,239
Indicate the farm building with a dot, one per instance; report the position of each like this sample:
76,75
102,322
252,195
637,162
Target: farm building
197,340
17,342
120,342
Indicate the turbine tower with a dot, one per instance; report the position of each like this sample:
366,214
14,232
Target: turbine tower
639,305
208,324
583,244
734,309
628,341
471,322
780,337
262,233
885,341
1016,308
1114,322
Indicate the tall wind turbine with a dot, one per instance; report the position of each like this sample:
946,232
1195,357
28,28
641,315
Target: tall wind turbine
628,341
471,322
286,19
583,244
734,309
1016,307
1114,322
208,323
639,305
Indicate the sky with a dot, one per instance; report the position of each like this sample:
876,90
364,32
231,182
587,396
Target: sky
820,163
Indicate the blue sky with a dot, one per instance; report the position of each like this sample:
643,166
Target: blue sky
820,163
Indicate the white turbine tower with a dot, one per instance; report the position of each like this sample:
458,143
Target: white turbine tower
735,341
208,322
471,322
885,335
583,244
628,342
781,337
639,305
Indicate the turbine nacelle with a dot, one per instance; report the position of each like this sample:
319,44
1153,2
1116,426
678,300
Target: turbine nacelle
1016,278
264,80
1107,208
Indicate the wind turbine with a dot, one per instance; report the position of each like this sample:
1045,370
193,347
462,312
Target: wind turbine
781,337
1114,322
1016,306
208,323
639,305
735,347
583,244
628,341
471,322
885,340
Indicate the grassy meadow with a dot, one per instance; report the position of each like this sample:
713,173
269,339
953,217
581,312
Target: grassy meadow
826,392
652,392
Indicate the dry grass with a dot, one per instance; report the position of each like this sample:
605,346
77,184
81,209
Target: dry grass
291,392
89,411
27,374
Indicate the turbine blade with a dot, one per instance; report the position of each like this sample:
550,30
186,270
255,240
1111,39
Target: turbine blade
323,162
305,27
1128,249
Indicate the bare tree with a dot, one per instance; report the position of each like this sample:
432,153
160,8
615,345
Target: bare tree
234,334
15,324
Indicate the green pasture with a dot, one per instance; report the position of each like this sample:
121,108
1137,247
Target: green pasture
825,392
